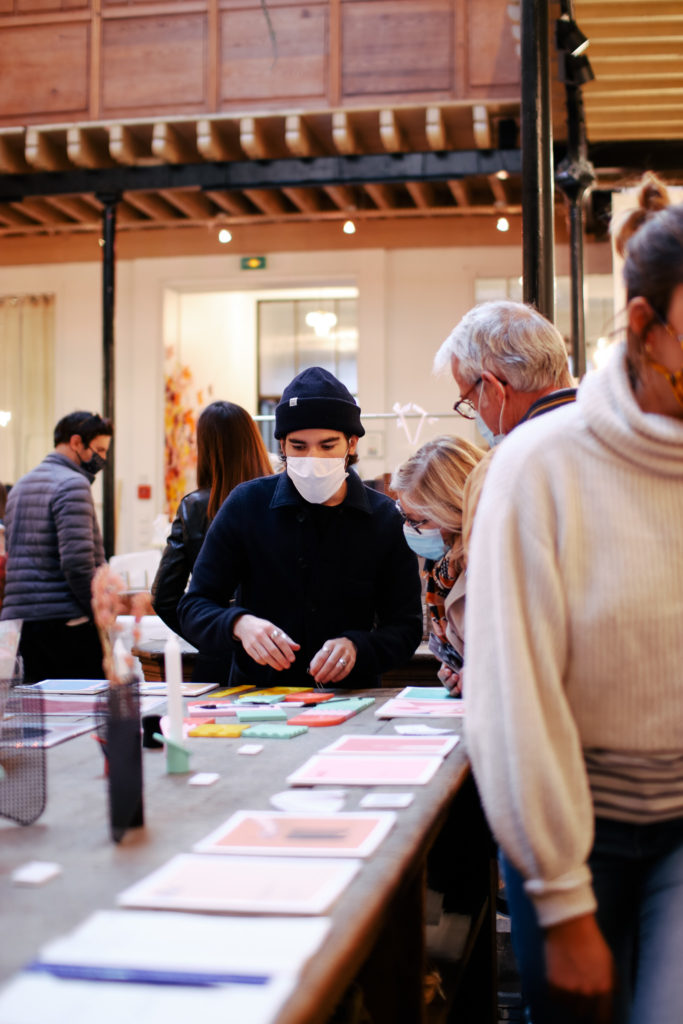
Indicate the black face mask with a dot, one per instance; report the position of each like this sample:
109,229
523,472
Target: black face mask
94,464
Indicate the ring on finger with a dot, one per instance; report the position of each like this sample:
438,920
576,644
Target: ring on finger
342,661
276,632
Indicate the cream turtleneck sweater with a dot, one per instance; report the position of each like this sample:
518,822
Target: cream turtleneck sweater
574,629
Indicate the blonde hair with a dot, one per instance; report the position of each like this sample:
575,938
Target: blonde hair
433,480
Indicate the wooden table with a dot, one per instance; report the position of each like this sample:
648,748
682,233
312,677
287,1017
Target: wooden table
377,933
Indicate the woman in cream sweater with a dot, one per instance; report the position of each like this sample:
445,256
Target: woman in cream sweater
574,677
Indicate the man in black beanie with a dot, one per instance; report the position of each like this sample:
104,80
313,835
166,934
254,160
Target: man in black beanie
327,589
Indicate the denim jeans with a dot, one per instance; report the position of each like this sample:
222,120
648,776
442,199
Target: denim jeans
638,882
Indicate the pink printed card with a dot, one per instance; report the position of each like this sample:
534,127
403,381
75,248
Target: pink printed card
356,834
399,707
258,885
440,746
368,770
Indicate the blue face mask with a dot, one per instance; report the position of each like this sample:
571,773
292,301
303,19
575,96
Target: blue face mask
491,439
427,543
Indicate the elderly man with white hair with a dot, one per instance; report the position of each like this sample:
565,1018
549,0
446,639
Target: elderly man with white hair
510,365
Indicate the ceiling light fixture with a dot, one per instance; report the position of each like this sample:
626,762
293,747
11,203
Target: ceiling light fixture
349,227
503,224
224,236
321,321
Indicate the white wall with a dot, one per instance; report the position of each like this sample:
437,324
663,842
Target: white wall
408,302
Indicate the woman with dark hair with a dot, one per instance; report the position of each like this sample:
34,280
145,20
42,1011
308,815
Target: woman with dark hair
574,629
230,450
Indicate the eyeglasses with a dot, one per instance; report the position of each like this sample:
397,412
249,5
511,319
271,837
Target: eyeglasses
414,524
465,406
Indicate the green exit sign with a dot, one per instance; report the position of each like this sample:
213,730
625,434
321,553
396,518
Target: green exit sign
253,263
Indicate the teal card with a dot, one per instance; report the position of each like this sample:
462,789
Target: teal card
261,714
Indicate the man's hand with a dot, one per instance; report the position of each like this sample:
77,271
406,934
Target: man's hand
334,661
450,679
580,970
265,642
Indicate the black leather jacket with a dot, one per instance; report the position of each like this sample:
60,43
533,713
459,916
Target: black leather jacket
185,540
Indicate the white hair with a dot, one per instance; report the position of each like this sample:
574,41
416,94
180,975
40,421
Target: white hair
511,340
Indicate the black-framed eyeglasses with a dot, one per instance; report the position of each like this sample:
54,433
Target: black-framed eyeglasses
465,406
414,524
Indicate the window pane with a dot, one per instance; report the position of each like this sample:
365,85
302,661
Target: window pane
276,346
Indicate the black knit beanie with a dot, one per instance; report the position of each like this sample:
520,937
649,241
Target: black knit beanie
315,398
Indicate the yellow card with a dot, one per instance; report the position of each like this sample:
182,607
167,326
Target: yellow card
218,729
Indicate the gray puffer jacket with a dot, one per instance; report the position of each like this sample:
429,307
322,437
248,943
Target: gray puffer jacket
53,543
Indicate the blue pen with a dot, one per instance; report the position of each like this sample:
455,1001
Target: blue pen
142,975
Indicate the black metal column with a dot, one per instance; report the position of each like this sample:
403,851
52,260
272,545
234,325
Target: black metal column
575,174
538,230
108,374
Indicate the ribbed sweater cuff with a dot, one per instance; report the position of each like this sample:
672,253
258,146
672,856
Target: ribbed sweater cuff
568,896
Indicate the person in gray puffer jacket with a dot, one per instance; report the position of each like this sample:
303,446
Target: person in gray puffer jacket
54,546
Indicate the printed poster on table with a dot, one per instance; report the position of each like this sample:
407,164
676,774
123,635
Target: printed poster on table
346,834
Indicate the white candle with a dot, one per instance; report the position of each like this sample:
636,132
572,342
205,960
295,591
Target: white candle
120,661
174,696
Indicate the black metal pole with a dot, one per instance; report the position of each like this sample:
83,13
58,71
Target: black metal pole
108,374
575,174
538,229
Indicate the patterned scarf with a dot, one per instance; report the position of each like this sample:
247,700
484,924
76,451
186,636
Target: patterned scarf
441,575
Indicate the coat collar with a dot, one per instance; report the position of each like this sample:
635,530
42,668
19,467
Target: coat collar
287,494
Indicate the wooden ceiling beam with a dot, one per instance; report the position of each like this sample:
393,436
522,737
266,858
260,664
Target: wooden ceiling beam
12,159
212,143
435,128
306,200
343,134
153,206
498,190
85,150
298,137
343,196
169,145
11,214
39,210
267,200
422,194
252,138
43,152
481,127
459,192
233,203
380,194
125,147
76,208
195,205
390,132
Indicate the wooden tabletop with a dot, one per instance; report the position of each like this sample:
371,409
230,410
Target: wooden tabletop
74,832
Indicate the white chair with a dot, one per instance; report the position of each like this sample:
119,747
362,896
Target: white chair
137,568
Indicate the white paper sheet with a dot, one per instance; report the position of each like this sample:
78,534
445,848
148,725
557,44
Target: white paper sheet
261,885
190,942
41,999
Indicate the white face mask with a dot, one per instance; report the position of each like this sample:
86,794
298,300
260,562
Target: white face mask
316,479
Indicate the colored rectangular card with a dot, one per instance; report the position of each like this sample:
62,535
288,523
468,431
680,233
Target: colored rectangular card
370,770
275,731
217,729
71,685
404,708
347,834
260,714
425,693
265,885
358,744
